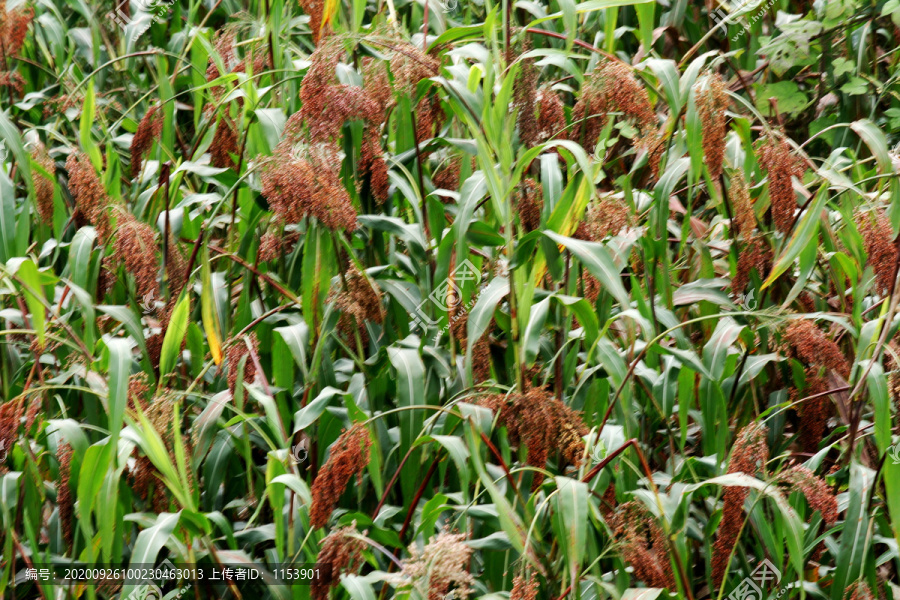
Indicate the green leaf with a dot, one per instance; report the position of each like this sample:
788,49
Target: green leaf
599,261
854,541
410,392
533,330
804,232
150,541
876,141
88,117
34,297
318,268
307,415
171,346
119,372
208,311
572,510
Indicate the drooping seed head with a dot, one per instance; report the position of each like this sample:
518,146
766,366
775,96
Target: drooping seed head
347,457
776,157
44,187
148,131
712,101
881,252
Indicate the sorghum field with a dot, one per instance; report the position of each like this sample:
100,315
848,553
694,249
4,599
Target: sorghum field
446,299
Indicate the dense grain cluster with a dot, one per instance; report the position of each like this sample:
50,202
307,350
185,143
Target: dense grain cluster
340,553
238,350
644,545
529,204
749,455
525,589
275,244
328,104
43,186
542,423
815,410
881,251
776,157
739,195
446,176
64,492
91,201
755,254
438,569
359,301
712,100
316,9
305,180
819,495
481,349
612,87
13,29
148,131
608,216
224,147
348,457
810,345
135,245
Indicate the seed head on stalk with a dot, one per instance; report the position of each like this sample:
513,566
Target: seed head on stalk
712,101
43,187
340,553
776,157
749,455
881,252
440,570
91,200
611,87
644,545
348,457
148,131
